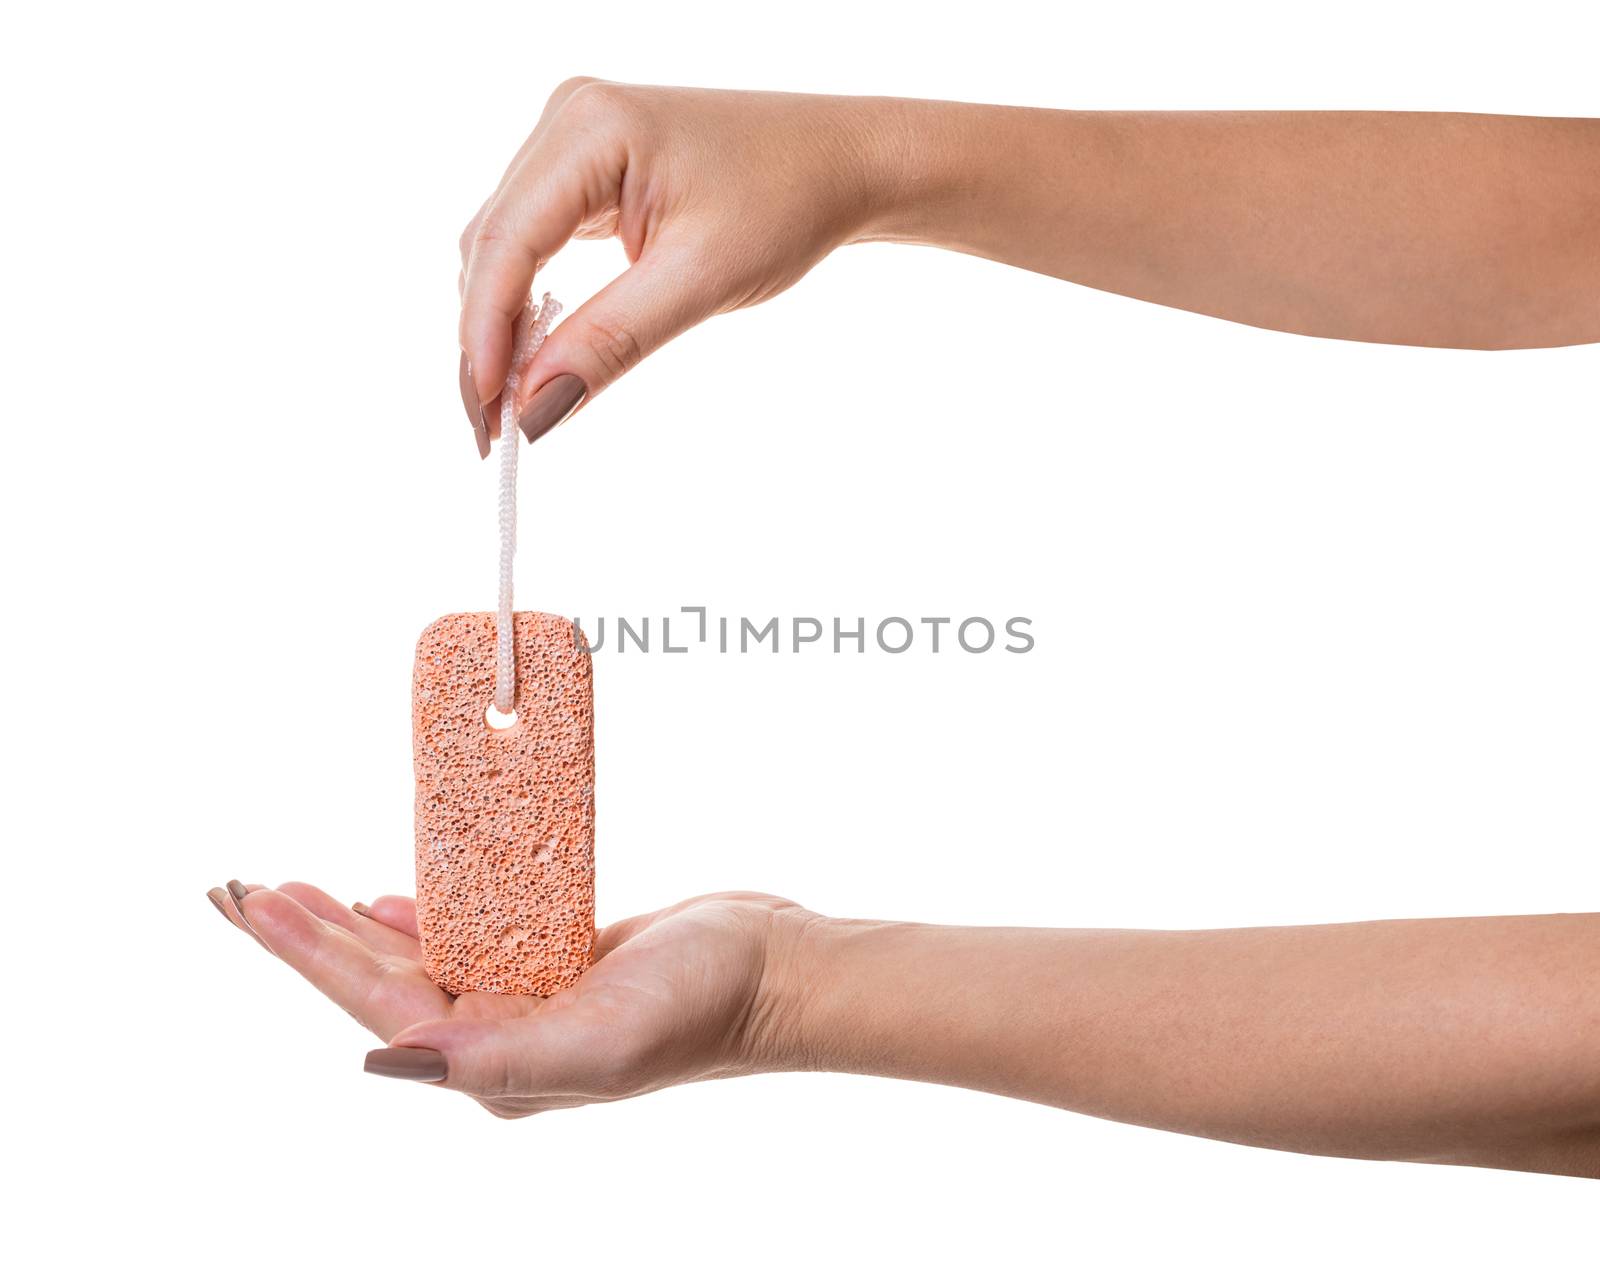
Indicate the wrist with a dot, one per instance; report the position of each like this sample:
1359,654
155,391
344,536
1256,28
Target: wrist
928,166
784,1034
823,986
911,173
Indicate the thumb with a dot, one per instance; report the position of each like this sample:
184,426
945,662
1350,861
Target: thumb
641,310
523,1058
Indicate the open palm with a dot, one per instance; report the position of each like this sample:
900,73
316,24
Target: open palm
672,996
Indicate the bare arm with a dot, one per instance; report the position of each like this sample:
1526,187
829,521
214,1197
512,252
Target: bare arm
1467,230
1458,1041
1462,1041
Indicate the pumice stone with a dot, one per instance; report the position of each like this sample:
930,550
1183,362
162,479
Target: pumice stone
505,817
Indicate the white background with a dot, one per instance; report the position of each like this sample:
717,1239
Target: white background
1316,622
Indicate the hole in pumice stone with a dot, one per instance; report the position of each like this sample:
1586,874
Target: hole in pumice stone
497,720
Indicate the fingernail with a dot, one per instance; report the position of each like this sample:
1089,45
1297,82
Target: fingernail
551,404
408,1063
217,898
237,891
361,908
469,400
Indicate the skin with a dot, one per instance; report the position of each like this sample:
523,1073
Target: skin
1462,230
1456,1041
1472,1041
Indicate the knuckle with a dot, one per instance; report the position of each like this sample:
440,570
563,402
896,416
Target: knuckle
615,349
567,87
500,1079
596,102
497,234
491,230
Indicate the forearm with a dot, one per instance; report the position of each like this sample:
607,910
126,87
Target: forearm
1429,229
1459,1041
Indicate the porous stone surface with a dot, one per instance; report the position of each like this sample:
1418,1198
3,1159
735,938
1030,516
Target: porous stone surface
505,818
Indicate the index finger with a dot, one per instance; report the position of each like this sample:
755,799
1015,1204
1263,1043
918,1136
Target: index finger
557,99
384,994
535,213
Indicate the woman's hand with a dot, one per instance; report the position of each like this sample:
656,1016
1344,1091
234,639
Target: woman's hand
721,200
1427,229
1459,1041
672,997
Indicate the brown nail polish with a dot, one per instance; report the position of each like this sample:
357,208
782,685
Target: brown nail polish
218,899
361,908
409,1063
236,891
469,400
554,401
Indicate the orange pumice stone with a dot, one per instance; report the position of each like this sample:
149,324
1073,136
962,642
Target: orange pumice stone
505,818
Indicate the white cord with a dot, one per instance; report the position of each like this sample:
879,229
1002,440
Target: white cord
532,327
